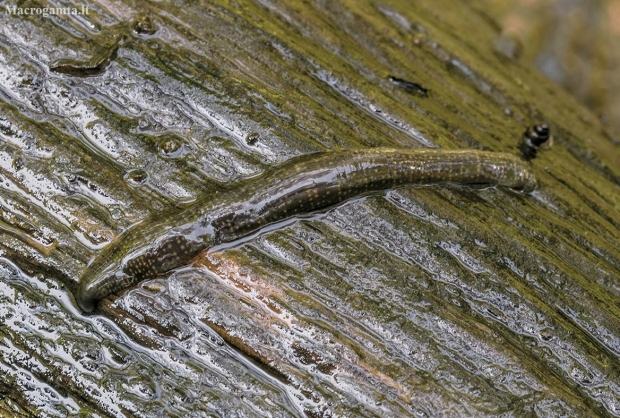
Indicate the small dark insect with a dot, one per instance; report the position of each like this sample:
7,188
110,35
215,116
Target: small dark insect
409,86
533,138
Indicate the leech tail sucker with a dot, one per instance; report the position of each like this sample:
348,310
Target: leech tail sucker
303,185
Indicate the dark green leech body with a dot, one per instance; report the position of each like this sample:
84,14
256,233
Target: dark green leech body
300,186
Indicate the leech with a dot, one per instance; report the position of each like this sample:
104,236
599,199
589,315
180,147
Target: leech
300,186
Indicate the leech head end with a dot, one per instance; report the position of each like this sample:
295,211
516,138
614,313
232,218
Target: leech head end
84,301
92,290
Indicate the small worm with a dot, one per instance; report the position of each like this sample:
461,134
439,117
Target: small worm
409,86
302,185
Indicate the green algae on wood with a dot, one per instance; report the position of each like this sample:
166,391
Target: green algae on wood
429,300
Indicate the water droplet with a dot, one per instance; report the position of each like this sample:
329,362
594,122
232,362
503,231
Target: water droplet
252,138
144,26
133,108
171,148
136,177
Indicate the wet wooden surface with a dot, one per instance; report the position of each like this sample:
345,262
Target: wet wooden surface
452,301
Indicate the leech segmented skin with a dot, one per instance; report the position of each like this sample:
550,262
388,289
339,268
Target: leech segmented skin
300,186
